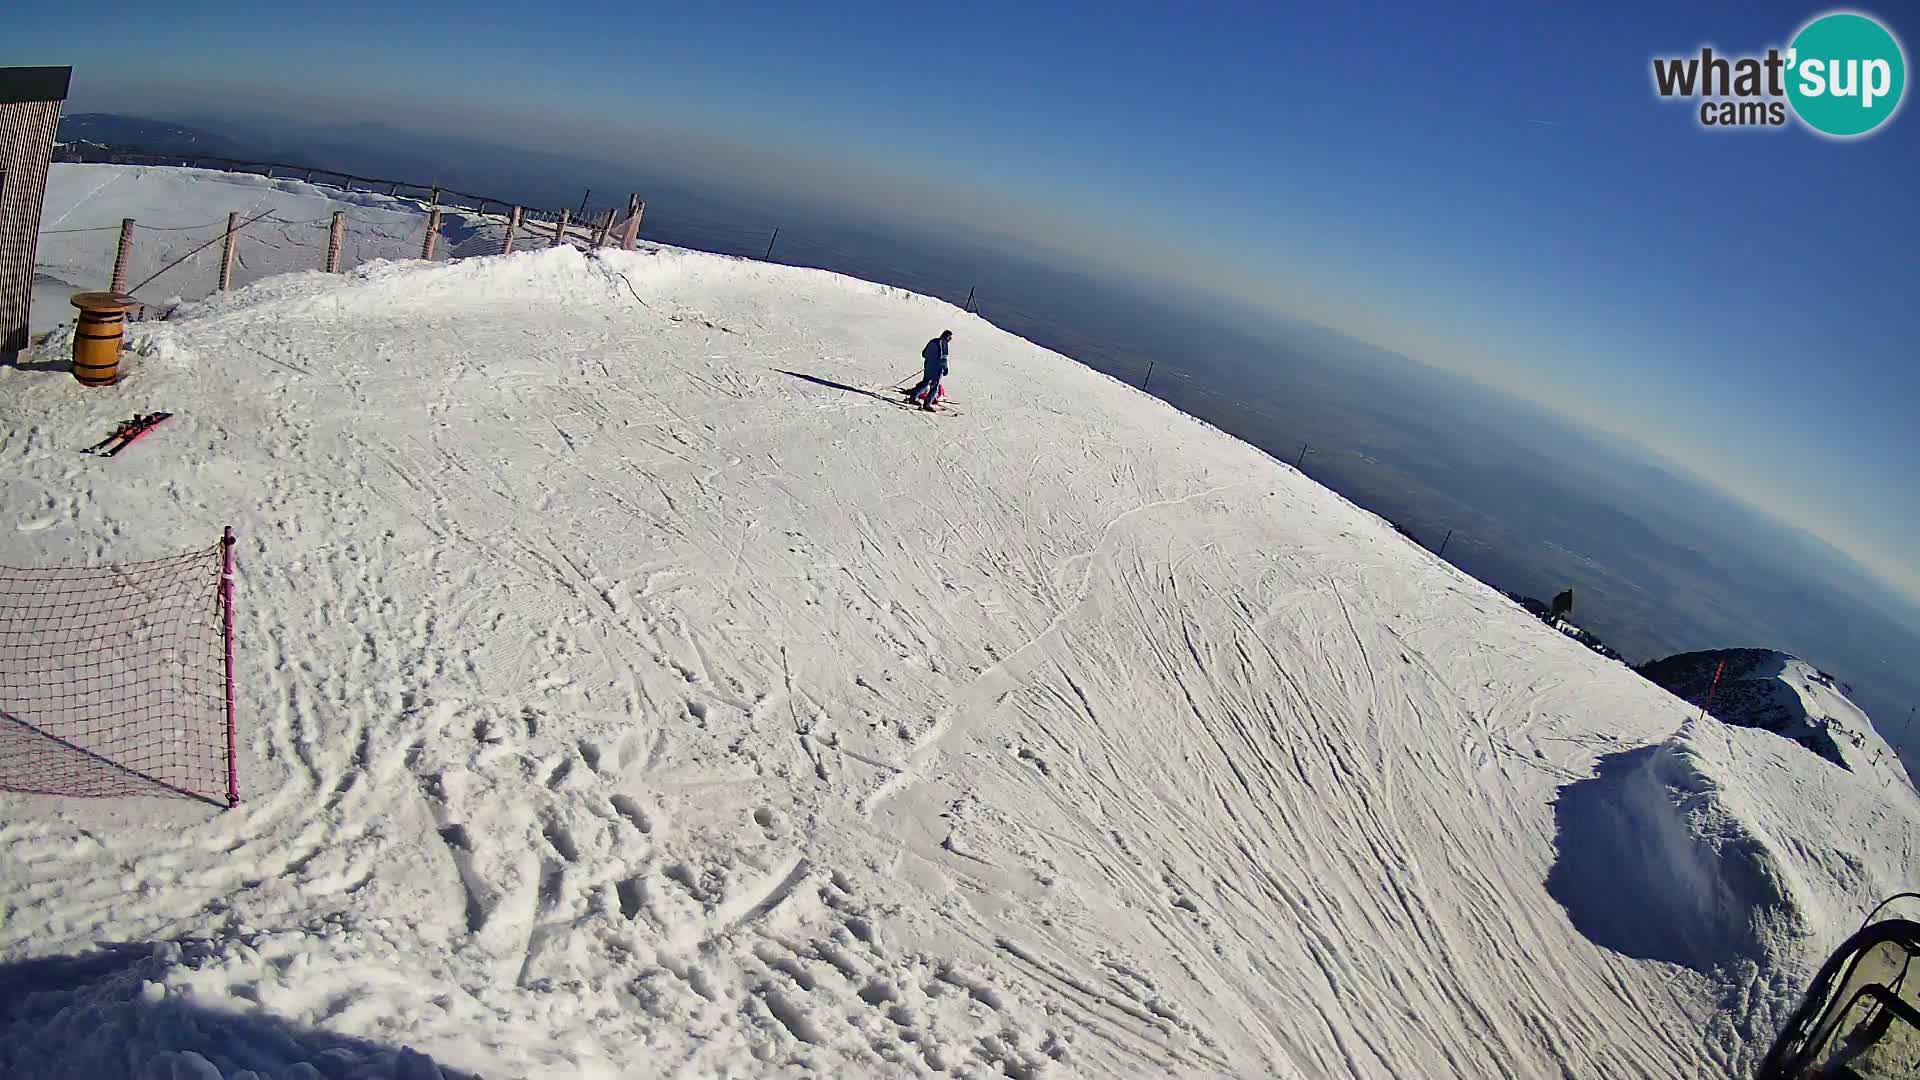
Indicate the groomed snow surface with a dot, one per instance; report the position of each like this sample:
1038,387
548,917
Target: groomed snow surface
620,696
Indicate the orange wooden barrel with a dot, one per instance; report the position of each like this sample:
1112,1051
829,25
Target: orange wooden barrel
96,341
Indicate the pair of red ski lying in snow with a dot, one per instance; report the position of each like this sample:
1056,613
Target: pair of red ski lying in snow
126,434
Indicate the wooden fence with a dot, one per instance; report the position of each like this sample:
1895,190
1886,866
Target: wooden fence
578,226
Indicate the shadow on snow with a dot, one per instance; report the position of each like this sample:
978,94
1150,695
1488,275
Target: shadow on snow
97,1015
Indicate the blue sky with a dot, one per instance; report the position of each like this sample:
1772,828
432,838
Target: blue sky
1494,190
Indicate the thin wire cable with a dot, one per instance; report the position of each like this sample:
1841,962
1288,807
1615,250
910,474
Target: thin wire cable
196,251
174,228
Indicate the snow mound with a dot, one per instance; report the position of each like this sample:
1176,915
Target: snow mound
630,687
1773,691
1720,850
1655,863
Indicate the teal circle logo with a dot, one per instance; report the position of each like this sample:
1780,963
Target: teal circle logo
1845,74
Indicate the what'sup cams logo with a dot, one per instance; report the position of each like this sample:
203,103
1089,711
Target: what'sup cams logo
1843,76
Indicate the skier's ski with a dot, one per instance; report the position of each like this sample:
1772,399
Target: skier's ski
131,432
899,393
942,410
118,433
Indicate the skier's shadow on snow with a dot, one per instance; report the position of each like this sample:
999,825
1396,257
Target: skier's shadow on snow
830,384
35,995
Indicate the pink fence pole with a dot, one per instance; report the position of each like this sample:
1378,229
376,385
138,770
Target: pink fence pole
226,633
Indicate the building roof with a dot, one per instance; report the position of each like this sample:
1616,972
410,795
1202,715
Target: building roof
19,84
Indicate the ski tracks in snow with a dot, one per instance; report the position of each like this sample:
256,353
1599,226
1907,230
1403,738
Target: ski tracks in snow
610,698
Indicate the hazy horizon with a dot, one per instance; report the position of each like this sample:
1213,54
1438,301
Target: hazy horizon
1255,319
1672,415
1716,395
1119,263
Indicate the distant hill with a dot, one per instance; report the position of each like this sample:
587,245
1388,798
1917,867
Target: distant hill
1770,690
132,133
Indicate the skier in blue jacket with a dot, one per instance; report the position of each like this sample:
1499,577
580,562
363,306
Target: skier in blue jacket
935,358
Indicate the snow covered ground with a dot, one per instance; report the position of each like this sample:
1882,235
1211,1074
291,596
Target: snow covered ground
627,692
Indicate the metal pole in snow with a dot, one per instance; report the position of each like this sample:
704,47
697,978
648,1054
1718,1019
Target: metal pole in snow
1444,543
1303,455
226,633
1710,690
1149,376
770,240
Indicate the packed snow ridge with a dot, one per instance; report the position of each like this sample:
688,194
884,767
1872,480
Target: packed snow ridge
630,688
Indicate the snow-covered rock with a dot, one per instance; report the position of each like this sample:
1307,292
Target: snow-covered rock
630,688
1772,691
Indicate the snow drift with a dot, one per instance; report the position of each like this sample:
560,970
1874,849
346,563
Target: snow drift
630,688
1655,863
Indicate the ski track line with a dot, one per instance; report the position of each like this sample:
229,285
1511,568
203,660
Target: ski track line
746,907
996,681
84,200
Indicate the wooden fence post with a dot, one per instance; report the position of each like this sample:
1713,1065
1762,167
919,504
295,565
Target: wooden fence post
513,228
226,250
632,234
335,233
121,255
560,228
433,230
606,230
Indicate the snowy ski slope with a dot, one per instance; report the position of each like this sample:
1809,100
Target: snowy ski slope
620,697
